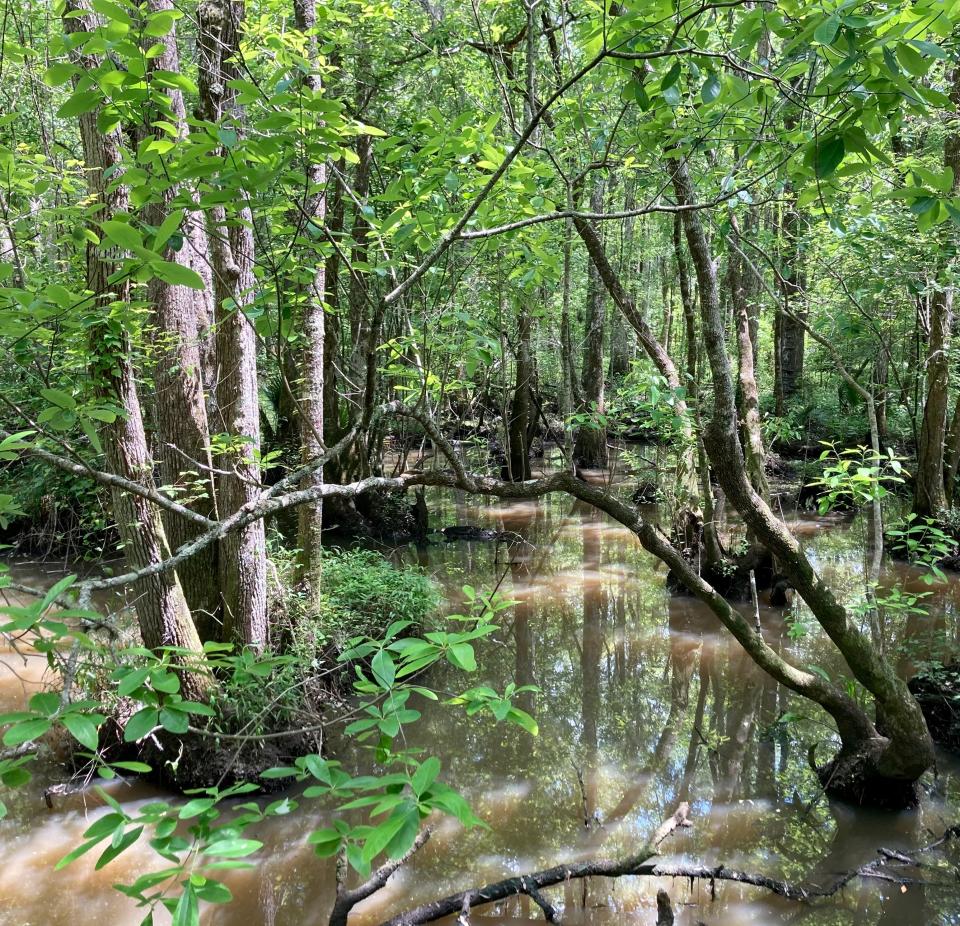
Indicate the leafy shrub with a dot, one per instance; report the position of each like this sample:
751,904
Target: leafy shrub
364,592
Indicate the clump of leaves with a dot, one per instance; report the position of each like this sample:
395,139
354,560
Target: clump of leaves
856,476
924,542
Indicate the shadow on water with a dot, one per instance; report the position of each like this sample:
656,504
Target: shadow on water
642,702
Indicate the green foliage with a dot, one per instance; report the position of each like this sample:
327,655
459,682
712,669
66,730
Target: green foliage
923,541
645,401
362,592
205,835
856,475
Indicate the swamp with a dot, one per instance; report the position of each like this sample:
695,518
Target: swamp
479,462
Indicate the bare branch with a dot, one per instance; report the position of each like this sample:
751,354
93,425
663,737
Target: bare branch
348,899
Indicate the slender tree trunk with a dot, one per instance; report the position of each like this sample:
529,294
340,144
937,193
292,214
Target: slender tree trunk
243,555
181,412
311,405
590,448
162,611
332,354
686,483
952,460
749,394
789,340
711,536
620,346
518,430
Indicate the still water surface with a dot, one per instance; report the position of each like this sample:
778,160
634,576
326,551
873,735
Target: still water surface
643,701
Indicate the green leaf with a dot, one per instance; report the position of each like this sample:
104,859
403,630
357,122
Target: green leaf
83,101
912,61
196,807
829,155
671,77
59,398
325,842
80,850
711,89
122,234
59,73
463,657
425,775
233,848
826,32
140,724
384,671
132,681
24,732
187,911
174,721
176,274
523,719
160,23
169,225
83,729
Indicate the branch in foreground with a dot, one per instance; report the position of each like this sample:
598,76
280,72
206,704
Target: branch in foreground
348,899
641,866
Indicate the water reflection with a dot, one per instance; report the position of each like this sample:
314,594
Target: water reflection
643,701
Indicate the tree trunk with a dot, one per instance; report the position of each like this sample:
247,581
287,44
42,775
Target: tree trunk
518,430
749,394
181,412
711,536
789,340
162,611
686,481
243,555
871,767
929,496
312,359
590,448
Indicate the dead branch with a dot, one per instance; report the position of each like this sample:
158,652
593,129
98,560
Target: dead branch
679,818
533,884
348,899
641,865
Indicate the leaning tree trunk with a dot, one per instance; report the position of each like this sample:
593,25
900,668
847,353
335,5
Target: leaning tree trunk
749,394
871,767
686,483
181,412
590,448
243,555
711,536
929,495
162,611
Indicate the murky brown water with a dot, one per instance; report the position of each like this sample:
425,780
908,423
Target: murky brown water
643,702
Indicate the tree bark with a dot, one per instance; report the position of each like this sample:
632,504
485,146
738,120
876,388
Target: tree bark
518,430
243,558
687,473
181,412
590,448
162,611
749,394
789,340
930,496
312,358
